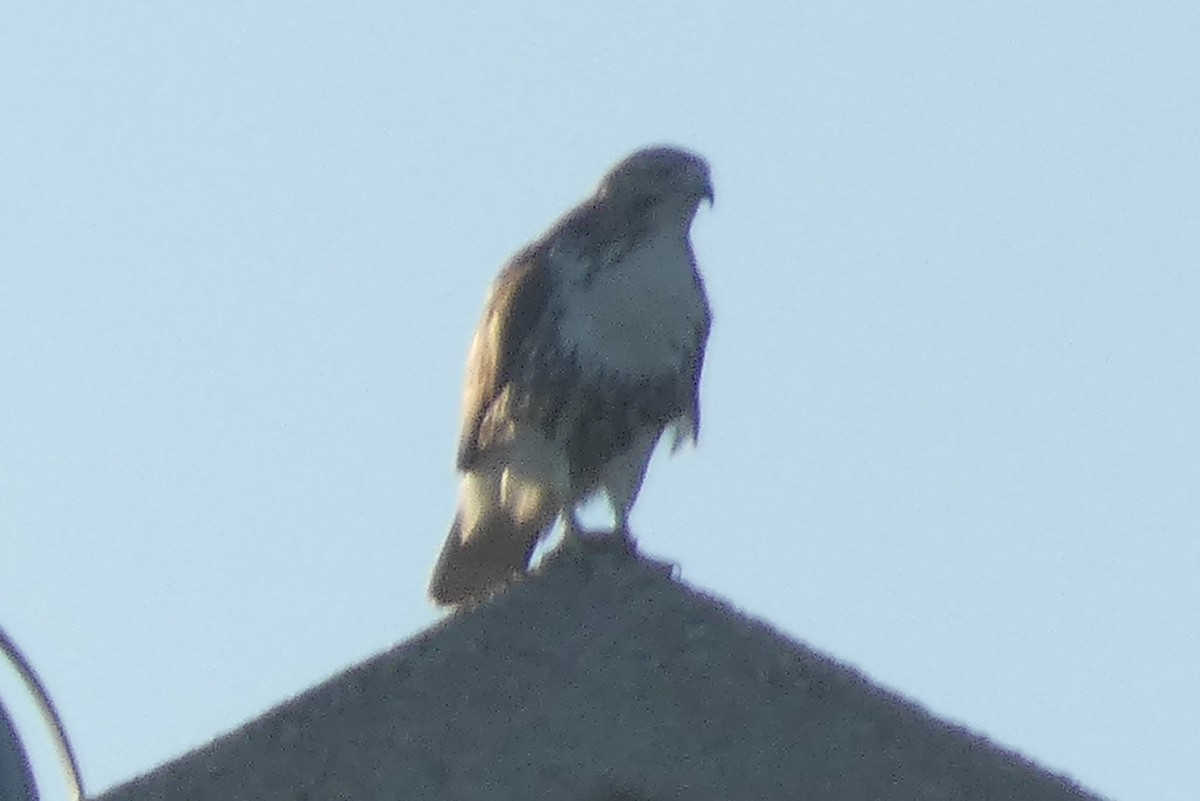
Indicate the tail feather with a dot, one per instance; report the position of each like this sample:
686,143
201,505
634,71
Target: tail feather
474,563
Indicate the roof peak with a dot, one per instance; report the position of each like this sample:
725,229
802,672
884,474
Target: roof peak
600,674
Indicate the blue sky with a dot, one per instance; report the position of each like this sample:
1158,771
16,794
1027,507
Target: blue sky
951,402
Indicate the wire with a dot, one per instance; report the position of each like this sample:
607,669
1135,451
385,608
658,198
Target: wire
66,755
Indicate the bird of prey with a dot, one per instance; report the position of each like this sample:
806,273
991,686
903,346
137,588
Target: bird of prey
590,347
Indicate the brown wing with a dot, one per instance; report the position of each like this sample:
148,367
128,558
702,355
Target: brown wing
516,302
697,366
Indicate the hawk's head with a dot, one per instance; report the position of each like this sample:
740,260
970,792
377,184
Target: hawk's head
659,175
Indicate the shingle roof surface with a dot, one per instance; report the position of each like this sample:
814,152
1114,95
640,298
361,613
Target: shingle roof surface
600,678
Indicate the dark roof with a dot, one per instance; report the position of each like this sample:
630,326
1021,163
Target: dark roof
599,678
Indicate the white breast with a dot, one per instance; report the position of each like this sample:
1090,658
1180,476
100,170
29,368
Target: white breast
638,315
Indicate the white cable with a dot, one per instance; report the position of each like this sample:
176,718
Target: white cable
49,714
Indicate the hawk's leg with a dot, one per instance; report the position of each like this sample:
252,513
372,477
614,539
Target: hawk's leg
573,532
621,525
623,481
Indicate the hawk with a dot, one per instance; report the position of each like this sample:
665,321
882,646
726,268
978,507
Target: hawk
590,347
